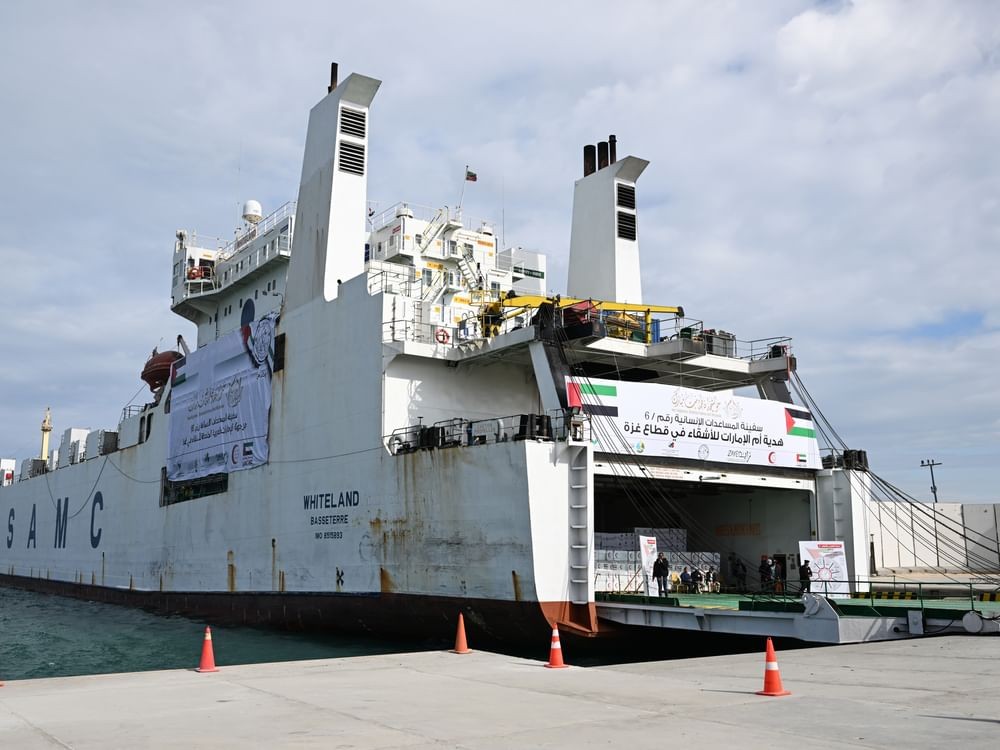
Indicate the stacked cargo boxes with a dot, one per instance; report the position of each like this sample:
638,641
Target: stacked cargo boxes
618,563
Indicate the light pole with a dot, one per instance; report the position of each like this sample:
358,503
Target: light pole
930,463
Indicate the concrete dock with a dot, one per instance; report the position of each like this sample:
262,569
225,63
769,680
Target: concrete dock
922,693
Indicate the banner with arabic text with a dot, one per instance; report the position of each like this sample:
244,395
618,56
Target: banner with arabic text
664,420
220,402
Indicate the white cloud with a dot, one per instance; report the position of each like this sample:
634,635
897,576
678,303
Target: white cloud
824,171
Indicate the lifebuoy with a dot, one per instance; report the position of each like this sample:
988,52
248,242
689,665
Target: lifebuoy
194,273
441,336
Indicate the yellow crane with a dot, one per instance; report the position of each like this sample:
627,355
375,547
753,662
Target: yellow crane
621,318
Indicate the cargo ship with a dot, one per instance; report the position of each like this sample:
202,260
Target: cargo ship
386,420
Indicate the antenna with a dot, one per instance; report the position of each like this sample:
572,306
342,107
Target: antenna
503,213
239,175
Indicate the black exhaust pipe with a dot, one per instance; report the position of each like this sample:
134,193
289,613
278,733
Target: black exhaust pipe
333,78
589,159
602,154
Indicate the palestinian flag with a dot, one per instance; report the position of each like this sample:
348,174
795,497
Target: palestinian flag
798,422
177,374
595,399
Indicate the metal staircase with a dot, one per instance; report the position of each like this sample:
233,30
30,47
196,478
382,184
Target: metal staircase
433,290
433,229
467,266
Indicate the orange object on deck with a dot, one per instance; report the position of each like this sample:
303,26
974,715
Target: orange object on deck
207,655
461,646
772,675
555,652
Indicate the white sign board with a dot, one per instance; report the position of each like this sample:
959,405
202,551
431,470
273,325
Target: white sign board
220,402
664,420
647,551
828,562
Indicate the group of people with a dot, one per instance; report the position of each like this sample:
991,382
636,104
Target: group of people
772,576
690,581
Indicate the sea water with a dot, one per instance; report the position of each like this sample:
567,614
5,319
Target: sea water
43,635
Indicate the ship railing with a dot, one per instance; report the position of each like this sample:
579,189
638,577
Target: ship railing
381,218
457,432
879,590
440,335
131,410
391,278
204,241
614,324
856,597
259,229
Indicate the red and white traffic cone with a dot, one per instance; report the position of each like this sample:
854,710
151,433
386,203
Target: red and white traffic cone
461,645
207,655
555,652
772,675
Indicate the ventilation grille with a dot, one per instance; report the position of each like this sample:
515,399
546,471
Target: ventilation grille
626,196
626,226
352,158
352,122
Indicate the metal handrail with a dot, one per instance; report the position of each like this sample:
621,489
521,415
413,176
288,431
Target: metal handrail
461,432
257,230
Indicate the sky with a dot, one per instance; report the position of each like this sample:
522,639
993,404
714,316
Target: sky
821,170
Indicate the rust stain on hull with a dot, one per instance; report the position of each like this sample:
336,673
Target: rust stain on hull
385,582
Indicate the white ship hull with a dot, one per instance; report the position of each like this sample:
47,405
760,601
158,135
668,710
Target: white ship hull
333,512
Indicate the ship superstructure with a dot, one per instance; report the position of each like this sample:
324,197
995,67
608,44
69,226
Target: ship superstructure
388,417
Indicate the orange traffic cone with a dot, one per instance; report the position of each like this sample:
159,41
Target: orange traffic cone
772,676
461,646
207,656
555,652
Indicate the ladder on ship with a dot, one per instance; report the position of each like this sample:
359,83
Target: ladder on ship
467,265
580,533
433,290
442,222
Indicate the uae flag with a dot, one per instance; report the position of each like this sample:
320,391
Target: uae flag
470,176
798,422
597,400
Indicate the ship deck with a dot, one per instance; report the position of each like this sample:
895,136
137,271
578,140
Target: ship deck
866,617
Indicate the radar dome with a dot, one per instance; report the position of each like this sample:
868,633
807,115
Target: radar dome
252,212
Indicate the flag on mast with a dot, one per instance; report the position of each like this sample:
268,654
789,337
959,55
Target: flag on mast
470,176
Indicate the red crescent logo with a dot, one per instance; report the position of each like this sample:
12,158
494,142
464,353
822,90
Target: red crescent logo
234,452
770,457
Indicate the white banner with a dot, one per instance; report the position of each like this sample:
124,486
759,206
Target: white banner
647,551
828,562
220,402
665,420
